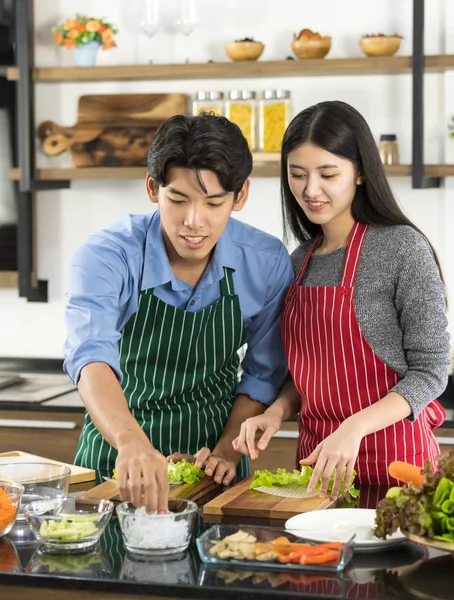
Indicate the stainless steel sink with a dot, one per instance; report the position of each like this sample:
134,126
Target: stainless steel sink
33,387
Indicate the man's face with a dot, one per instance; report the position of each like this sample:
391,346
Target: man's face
192,221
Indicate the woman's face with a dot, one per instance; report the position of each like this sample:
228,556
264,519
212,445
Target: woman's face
323,184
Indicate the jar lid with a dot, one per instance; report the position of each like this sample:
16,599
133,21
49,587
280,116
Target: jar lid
209,95
388,137
241,95
275,94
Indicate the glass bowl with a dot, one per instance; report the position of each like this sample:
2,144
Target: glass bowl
157,534
93,564
68,525
10,495
41,481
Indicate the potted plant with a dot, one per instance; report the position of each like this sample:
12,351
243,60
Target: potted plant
85,35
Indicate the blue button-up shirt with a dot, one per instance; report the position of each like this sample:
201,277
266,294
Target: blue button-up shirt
108,272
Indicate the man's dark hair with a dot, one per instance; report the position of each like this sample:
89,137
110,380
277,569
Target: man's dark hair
204,142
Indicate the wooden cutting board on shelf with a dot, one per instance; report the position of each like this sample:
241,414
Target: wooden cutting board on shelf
240,501
197,492
78,474
112,129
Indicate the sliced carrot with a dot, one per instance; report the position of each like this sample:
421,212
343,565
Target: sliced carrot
406,473
329,556
7,510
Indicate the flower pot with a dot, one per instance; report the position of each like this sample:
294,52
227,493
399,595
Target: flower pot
85,55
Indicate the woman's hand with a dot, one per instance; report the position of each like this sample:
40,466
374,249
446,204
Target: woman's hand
266,424
338,451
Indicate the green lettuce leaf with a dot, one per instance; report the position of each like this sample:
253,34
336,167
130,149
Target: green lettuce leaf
265,478
184,472
180,472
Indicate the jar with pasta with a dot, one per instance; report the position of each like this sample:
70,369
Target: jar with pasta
275,107
208,102
241,109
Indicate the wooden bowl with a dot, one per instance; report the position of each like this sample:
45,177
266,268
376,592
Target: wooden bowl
244,50
380,45
317,48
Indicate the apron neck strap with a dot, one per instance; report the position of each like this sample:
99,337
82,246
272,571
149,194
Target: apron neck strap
353,253
227,287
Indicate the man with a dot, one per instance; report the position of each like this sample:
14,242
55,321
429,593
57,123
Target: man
160,304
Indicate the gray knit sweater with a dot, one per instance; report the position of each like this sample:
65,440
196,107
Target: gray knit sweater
400,306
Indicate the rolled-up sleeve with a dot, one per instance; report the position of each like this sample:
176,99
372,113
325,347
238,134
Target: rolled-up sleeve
264,365
97,278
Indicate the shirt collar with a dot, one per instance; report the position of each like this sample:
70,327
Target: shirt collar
156,266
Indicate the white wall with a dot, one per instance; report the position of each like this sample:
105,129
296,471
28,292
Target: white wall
65,218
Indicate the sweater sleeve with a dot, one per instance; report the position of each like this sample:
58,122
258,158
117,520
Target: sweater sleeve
420,302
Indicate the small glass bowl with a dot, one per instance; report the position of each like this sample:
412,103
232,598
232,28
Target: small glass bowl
157,534
14,492
68,526
41,481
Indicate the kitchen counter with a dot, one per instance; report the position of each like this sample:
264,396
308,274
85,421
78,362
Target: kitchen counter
408,572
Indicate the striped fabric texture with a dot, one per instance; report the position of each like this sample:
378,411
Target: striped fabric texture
180,371
337,374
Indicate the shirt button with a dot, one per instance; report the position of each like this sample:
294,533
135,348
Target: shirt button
345,291
192,302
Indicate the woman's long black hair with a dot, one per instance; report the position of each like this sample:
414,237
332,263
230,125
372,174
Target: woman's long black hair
341,130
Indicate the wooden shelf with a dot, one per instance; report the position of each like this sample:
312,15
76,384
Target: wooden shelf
264,169
237,70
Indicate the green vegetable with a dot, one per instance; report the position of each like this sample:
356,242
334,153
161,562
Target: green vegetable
283,477
184,472
69,529
427,511
180,472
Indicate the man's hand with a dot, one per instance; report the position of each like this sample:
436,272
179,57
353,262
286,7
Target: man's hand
222,469
142,471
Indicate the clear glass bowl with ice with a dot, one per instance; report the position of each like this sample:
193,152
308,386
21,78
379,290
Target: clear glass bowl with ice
157,534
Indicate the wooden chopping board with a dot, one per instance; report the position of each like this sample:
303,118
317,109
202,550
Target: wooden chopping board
78,474
197,492
112,129
240,501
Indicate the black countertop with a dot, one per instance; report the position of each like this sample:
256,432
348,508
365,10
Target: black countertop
407,572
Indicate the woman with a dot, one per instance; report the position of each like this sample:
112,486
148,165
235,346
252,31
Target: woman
364,324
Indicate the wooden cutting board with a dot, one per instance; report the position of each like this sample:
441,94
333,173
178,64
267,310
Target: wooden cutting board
197,492
240,501
112,129
78,474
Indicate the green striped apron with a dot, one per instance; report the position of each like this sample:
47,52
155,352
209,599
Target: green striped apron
180,371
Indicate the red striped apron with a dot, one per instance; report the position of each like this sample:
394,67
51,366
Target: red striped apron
337,374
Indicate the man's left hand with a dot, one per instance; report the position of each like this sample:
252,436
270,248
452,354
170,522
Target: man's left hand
222,469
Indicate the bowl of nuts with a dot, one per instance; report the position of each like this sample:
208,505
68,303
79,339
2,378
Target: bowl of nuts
379,44
245,49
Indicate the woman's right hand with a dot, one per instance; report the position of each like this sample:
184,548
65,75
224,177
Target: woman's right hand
142,474
266,425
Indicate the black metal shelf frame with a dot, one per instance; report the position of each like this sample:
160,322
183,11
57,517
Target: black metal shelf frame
36,290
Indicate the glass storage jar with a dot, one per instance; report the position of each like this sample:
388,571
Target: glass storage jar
241,109
275,108
388,149
208,101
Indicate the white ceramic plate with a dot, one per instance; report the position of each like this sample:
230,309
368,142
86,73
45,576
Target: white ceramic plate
340,524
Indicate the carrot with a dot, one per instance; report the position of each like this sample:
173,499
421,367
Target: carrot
8,558
406,473
322,558
7,509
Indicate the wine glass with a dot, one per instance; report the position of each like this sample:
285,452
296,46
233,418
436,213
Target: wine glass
187,17
149,20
